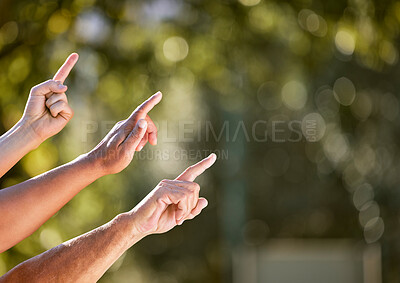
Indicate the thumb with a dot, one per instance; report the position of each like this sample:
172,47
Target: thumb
136,135
201,204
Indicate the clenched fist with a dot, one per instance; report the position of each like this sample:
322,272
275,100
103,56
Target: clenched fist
47,110
171,202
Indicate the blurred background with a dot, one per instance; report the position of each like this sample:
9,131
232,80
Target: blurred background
299,99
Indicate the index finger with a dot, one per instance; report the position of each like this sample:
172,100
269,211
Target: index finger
64,70
146,106
197,169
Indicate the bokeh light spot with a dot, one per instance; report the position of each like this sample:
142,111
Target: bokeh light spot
92,27
361,108
345,42
364,159
312,23
59,21
326,102
368,211
175,48
388,52
363,195
19,68
40,160
373,230
50,238
262,18
8,32
294,95
336,147
268,96
249,2
344,91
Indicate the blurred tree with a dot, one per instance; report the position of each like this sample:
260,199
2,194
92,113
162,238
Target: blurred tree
320,77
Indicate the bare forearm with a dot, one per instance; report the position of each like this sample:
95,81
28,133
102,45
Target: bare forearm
82,259
26,206
16,143
86,258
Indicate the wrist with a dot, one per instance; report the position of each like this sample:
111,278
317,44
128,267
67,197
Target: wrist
25,132
96,160
126,222
89,164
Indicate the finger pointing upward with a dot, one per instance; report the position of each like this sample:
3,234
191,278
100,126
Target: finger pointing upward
64,70
146,106
197,169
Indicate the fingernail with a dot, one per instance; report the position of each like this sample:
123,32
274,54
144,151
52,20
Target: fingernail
157,93
140,148
213,156
142,123
61,86
155,141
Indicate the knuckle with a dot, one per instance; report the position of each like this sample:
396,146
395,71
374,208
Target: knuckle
57,97
64,97
127,154
183,198
196,186
35,89
159,200
50,81
122,129
138,111
53,106
163,193
164,181
115,128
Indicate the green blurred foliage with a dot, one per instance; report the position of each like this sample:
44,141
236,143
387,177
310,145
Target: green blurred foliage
333,62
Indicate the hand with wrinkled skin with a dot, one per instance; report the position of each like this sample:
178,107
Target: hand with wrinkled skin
115,152
171,202
47,110
46,113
